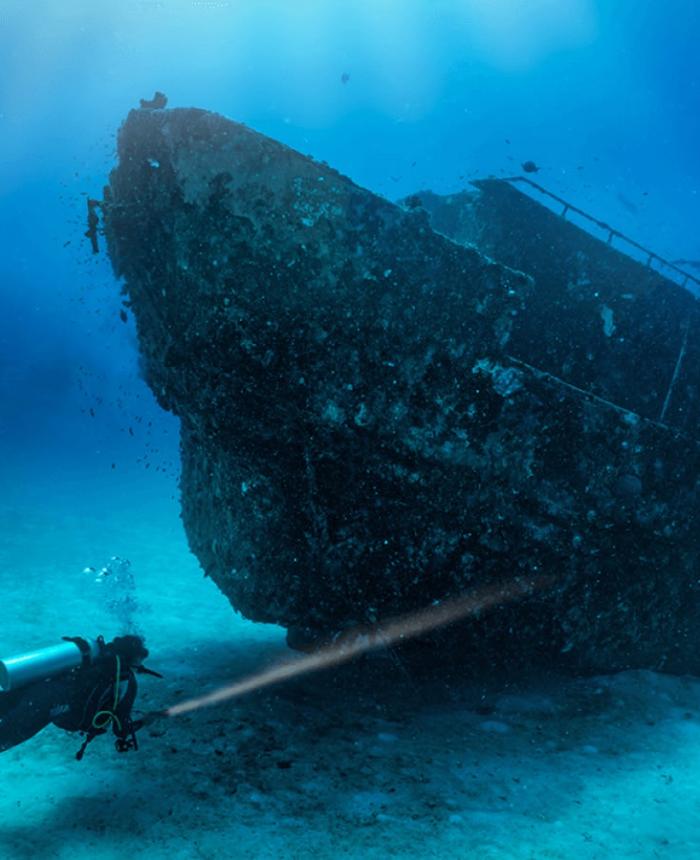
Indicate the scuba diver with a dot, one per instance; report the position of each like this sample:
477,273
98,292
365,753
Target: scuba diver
81,686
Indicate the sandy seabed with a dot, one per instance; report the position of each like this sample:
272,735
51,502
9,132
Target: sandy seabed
370,760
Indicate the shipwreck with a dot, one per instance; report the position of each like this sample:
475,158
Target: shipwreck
384,405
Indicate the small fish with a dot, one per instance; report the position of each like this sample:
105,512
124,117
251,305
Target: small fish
122,315
530,167
345,77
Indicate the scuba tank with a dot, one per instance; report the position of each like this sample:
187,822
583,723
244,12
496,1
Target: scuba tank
23,669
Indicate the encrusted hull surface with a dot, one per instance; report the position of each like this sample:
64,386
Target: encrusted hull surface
357,440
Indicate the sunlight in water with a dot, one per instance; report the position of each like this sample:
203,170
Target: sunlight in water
513,35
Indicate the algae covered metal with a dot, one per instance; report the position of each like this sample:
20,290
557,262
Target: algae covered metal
362,431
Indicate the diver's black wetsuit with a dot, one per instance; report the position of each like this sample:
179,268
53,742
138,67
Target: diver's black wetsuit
86,699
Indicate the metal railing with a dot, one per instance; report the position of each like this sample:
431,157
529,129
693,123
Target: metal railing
685,277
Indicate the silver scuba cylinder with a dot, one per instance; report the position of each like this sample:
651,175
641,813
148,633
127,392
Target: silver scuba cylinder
31,666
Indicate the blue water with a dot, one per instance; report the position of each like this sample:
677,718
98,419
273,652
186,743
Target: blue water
400,95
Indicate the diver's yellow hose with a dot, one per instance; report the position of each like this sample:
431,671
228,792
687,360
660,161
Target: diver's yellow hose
110,715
